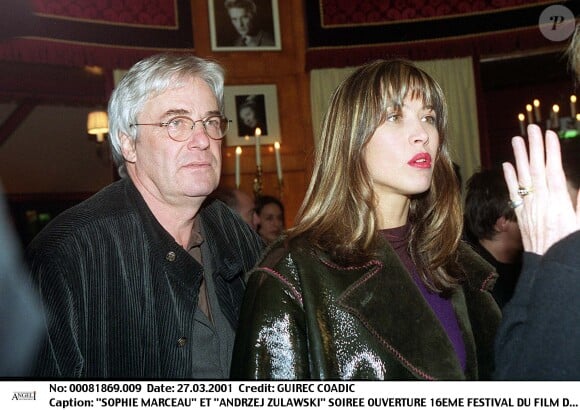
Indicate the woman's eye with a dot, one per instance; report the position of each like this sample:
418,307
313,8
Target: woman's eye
393,117
429,119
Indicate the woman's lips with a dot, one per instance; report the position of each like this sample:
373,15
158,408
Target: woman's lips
421,160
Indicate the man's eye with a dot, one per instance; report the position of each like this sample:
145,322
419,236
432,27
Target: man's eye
393,117
213,122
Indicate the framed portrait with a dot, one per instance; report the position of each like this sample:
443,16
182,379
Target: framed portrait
244,25
251,107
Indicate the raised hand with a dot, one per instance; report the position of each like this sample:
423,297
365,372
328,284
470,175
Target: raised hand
538,192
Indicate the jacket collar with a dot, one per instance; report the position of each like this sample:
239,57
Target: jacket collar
227,264
411,332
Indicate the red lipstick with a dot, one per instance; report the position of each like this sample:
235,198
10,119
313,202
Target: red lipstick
421,160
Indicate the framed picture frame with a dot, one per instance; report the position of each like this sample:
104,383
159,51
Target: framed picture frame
250,107
244,25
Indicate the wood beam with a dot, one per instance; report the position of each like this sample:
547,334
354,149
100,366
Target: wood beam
16,118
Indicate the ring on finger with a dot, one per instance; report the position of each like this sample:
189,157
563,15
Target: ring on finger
523,191
515,204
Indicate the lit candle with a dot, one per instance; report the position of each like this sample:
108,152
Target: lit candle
521,117
537,111
258,153
278,161
555,110
238,155
529,111
572,106
577,117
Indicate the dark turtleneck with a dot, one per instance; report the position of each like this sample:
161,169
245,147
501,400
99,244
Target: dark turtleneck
441,306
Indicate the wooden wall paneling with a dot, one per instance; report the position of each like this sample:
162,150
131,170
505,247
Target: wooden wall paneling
286,69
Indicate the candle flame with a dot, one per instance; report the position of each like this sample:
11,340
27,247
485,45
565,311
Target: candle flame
529,107
572,98
238,150
258,131
276,145
536,103
521,117
555,108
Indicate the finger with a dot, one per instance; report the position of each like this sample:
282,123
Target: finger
554,171
537,159
511,180
522,162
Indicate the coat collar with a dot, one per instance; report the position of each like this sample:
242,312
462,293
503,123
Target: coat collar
228,265
411,332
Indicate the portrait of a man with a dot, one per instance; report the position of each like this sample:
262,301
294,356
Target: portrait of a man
244,24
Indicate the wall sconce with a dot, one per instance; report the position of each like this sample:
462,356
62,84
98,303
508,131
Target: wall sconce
98,124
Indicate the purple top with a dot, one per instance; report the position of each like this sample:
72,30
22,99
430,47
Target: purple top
442,307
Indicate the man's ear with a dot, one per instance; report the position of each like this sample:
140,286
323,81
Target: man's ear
501,225
128,148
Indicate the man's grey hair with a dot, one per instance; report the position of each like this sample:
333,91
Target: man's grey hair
148,78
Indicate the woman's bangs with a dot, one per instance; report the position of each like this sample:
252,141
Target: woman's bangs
420,87
410,84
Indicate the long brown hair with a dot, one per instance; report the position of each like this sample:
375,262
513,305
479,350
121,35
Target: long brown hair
338,213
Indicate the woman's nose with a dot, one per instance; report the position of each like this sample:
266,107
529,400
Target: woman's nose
419,133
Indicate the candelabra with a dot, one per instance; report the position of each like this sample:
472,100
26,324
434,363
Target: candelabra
258,182
566,127
281,189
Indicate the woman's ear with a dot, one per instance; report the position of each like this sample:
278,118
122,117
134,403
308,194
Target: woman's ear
128,148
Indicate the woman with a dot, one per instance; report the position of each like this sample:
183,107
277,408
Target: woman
251,116
373,282
269,218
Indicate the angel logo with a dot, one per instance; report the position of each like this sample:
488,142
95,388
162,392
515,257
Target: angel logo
24,395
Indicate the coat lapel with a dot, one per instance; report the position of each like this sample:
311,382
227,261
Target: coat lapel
386,300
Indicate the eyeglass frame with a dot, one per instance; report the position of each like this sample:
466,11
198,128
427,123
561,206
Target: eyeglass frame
203,123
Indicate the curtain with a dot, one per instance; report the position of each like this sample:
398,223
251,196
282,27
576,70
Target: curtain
458,83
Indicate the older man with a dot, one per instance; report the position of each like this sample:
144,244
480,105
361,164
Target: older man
144,280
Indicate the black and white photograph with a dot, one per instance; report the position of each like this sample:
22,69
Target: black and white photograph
251,112
251,107
244,25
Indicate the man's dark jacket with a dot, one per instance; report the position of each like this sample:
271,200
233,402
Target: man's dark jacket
120,293
539,336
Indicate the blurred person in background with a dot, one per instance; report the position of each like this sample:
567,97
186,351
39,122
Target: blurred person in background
269,218
20,312
239,201
492,229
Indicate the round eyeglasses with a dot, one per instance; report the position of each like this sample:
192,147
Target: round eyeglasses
181,128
